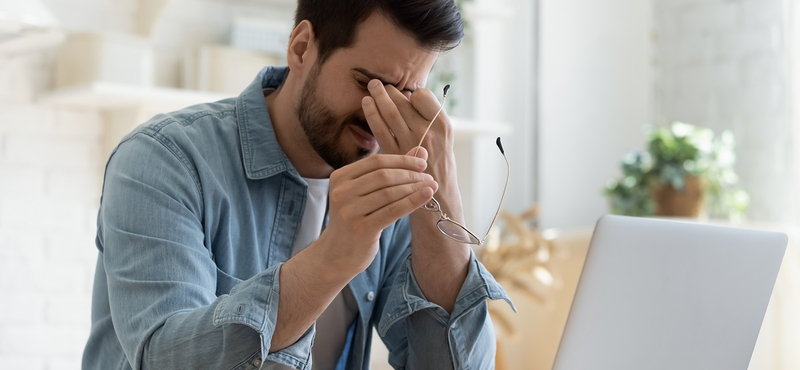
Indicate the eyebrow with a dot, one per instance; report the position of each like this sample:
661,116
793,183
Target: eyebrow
375,76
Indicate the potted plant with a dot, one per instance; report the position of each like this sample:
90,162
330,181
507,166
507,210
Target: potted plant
685,172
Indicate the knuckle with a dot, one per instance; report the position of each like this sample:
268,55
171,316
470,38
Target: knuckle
337,195
430,138
395,115
388,193
384,175
446,124
393,209
335,175
377,131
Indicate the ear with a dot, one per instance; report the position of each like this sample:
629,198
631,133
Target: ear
302,53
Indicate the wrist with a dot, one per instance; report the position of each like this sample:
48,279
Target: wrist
449,199
336,263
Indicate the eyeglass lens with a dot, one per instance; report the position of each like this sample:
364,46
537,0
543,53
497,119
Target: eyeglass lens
457,232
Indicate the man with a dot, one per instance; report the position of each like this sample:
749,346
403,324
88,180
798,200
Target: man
267,230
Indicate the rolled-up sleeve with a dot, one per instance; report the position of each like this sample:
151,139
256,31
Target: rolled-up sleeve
162,280
422,335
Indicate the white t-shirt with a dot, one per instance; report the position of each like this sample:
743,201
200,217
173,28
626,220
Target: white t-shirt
333,324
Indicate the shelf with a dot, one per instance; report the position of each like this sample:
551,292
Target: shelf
106,96
465,128
150,11
110,96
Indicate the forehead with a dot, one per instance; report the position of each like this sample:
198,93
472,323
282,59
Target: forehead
386,50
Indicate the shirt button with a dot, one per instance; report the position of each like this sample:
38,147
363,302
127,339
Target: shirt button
453,326
257,362
370,296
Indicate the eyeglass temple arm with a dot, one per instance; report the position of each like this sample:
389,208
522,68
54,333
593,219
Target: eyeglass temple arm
505,187
444,98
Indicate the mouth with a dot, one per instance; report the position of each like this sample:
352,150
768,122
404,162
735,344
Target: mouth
363,126
363,137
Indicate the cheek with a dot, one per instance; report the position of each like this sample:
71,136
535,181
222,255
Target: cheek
349,104
344,99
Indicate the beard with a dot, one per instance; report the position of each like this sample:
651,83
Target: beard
323,129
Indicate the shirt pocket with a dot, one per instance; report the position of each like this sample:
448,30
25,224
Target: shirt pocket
225,282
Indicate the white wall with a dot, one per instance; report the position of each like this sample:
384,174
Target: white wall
50,170
50,178
520,104
793,38
596,83
500,49
723,65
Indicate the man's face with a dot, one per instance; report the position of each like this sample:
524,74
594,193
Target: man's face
329,105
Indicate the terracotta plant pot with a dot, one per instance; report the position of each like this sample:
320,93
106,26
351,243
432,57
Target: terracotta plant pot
671,202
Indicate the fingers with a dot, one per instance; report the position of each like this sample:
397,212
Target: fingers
418,152
384,135
401,102
376,162
384,178
381,198
391,212
389,111
425,102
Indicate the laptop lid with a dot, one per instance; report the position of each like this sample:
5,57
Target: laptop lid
658,295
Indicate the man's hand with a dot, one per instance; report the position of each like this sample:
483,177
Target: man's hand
368,196
398,124
439,264
365,198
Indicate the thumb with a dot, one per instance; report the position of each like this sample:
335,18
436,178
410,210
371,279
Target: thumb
418,152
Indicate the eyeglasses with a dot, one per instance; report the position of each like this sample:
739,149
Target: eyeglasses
446,225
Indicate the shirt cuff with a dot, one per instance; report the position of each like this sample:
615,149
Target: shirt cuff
254,303
406,297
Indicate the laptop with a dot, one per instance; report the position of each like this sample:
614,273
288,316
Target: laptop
658,294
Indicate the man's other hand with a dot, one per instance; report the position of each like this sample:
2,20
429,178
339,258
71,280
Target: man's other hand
367,197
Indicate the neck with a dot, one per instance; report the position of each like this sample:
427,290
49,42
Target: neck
290,134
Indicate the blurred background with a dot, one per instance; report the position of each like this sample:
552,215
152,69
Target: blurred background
584,93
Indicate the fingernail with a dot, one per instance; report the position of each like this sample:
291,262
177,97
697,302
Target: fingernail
366,100
374,83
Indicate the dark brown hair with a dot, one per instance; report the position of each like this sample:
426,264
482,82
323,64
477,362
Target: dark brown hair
435,24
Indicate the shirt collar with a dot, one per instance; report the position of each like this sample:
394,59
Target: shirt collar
261,154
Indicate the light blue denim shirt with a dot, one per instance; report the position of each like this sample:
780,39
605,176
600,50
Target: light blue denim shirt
200,209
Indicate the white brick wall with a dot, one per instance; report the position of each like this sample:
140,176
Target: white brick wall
50,178
722,64
50,174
